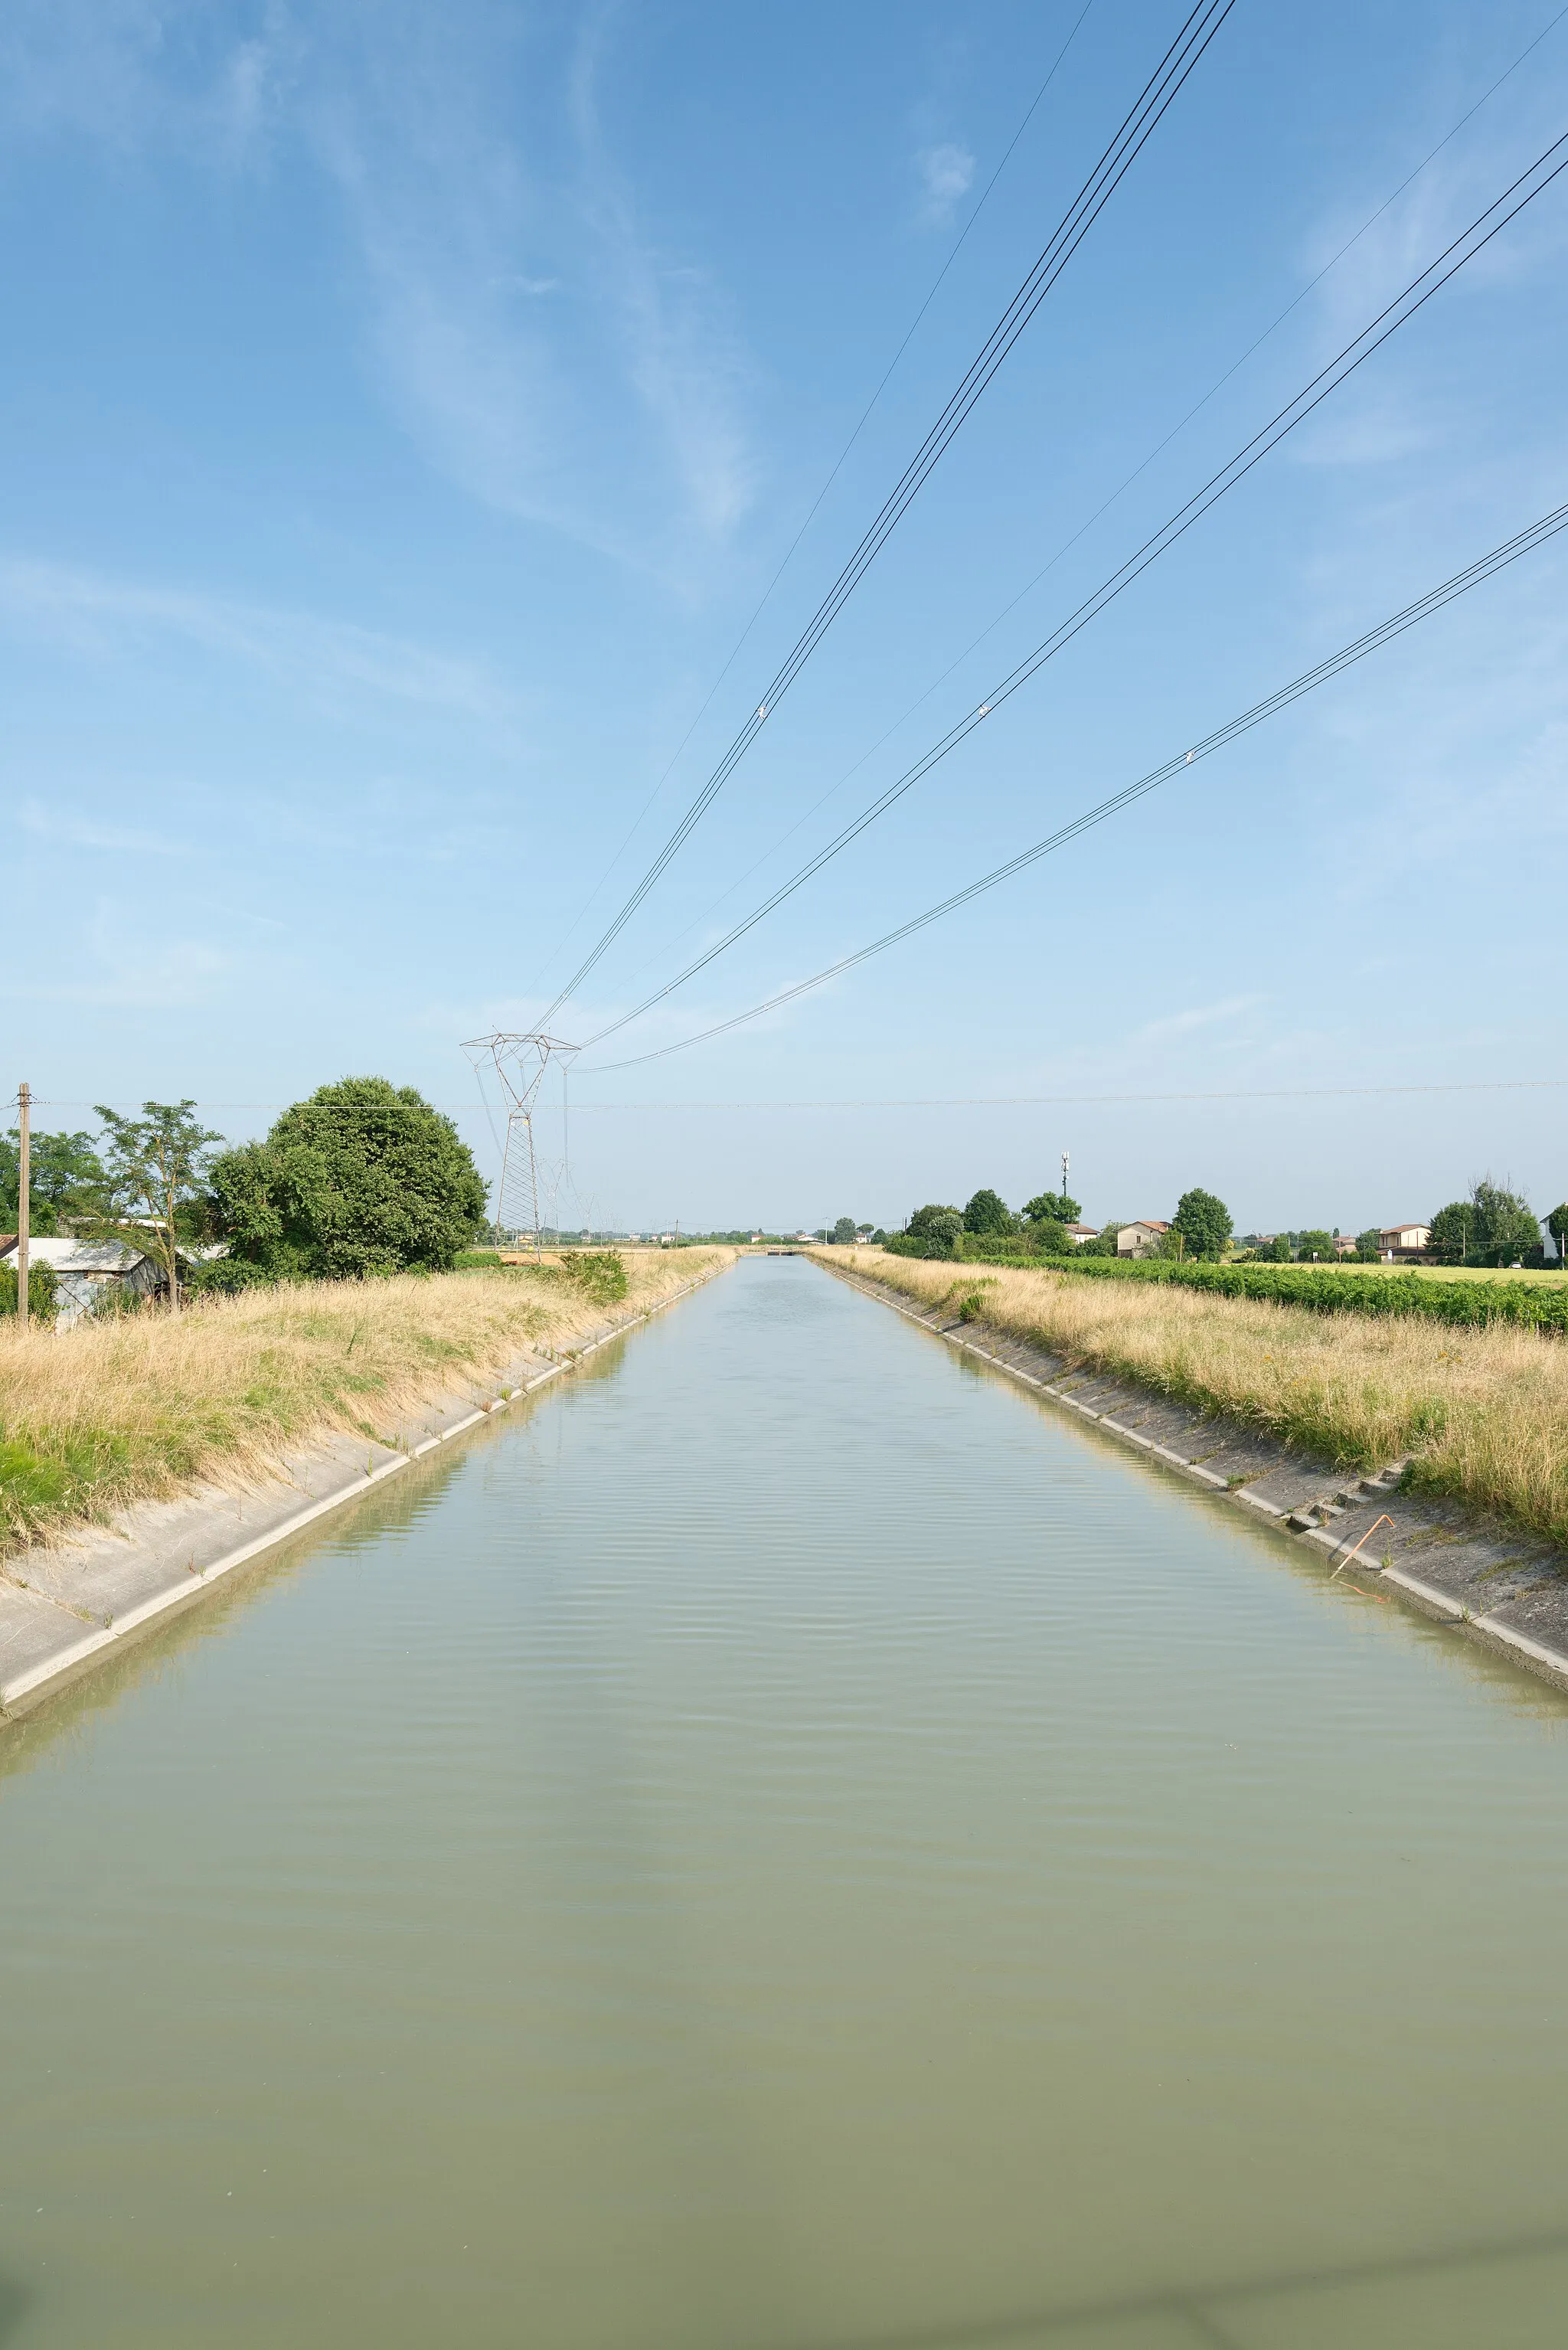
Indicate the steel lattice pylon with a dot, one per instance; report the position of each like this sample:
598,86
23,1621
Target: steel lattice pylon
519,1062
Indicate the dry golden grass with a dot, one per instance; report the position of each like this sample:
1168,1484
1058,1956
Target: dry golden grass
1482,1412
117,1412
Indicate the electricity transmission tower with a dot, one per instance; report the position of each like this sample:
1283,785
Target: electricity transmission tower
519,1064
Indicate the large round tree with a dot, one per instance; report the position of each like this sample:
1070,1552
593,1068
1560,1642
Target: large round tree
1203,1222
363,1178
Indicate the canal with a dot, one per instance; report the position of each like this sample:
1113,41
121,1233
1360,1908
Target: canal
788,1843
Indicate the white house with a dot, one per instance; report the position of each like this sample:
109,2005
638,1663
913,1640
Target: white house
83,1270
1141,1240
1079,1234
1404,1239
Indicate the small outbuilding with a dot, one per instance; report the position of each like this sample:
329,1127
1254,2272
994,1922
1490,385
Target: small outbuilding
1079,1234
84,1270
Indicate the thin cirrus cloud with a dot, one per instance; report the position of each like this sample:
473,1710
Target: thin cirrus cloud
947,172
95,612
85,832
529,329
1202,1015
610,411
113,963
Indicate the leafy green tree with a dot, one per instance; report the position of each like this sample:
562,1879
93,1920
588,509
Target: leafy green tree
1505,1225
844,1232
1105,1241
937,1229
1203,1223
1277,1251
988,1214
1051,1237
1316,1243
1453,1234
1052,1208
1557,1225
155,1180
1369,1244
67,1179
364,1177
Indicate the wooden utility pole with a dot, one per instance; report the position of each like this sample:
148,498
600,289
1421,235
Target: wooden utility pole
23,1178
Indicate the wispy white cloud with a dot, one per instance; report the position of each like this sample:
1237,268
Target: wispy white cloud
94,611
74,831
1202,1015
113,962
947,172
612,410
1368,255
470,154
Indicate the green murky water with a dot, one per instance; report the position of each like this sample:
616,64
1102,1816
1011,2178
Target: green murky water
787,1844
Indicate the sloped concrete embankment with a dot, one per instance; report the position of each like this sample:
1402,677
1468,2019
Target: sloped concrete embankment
1506,1590
65,1607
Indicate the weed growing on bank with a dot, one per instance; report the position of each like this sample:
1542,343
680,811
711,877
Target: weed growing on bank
1483,1412
141,1405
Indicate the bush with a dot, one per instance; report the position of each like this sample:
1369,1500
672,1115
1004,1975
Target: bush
601,1274
42,1289
931,1230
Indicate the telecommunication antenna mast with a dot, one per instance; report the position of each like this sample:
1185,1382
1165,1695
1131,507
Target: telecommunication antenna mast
519,1064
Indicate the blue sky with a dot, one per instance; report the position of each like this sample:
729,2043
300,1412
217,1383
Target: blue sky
406,406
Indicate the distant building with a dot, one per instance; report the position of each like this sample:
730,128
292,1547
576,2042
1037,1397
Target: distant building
1344,1245
1141,1240
1079,1234
1404,1239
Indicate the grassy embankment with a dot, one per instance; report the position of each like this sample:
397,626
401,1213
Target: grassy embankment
1483,1413
143,1407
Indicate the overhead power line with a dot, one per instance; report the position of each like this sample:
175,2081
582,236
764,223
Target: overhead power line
1420,291
1524,543
1060,1101
835,470
1142,467
979,1101
1091,199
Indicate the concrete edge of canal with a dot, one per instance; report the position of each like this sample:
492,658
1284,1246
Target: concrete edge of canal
67,1608
1505,1590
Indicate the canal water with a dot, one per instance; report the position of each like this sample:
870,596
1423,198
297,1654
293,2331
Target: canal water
787,1843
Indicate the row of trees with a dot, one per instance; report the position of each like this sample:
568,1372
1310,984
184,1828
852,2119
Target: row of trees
1201,1227
1495,1226
363,1178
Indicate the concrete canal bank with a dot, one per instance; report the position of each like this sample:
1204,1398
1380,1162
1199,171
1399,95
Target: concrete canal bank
65,1606
1507,1591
